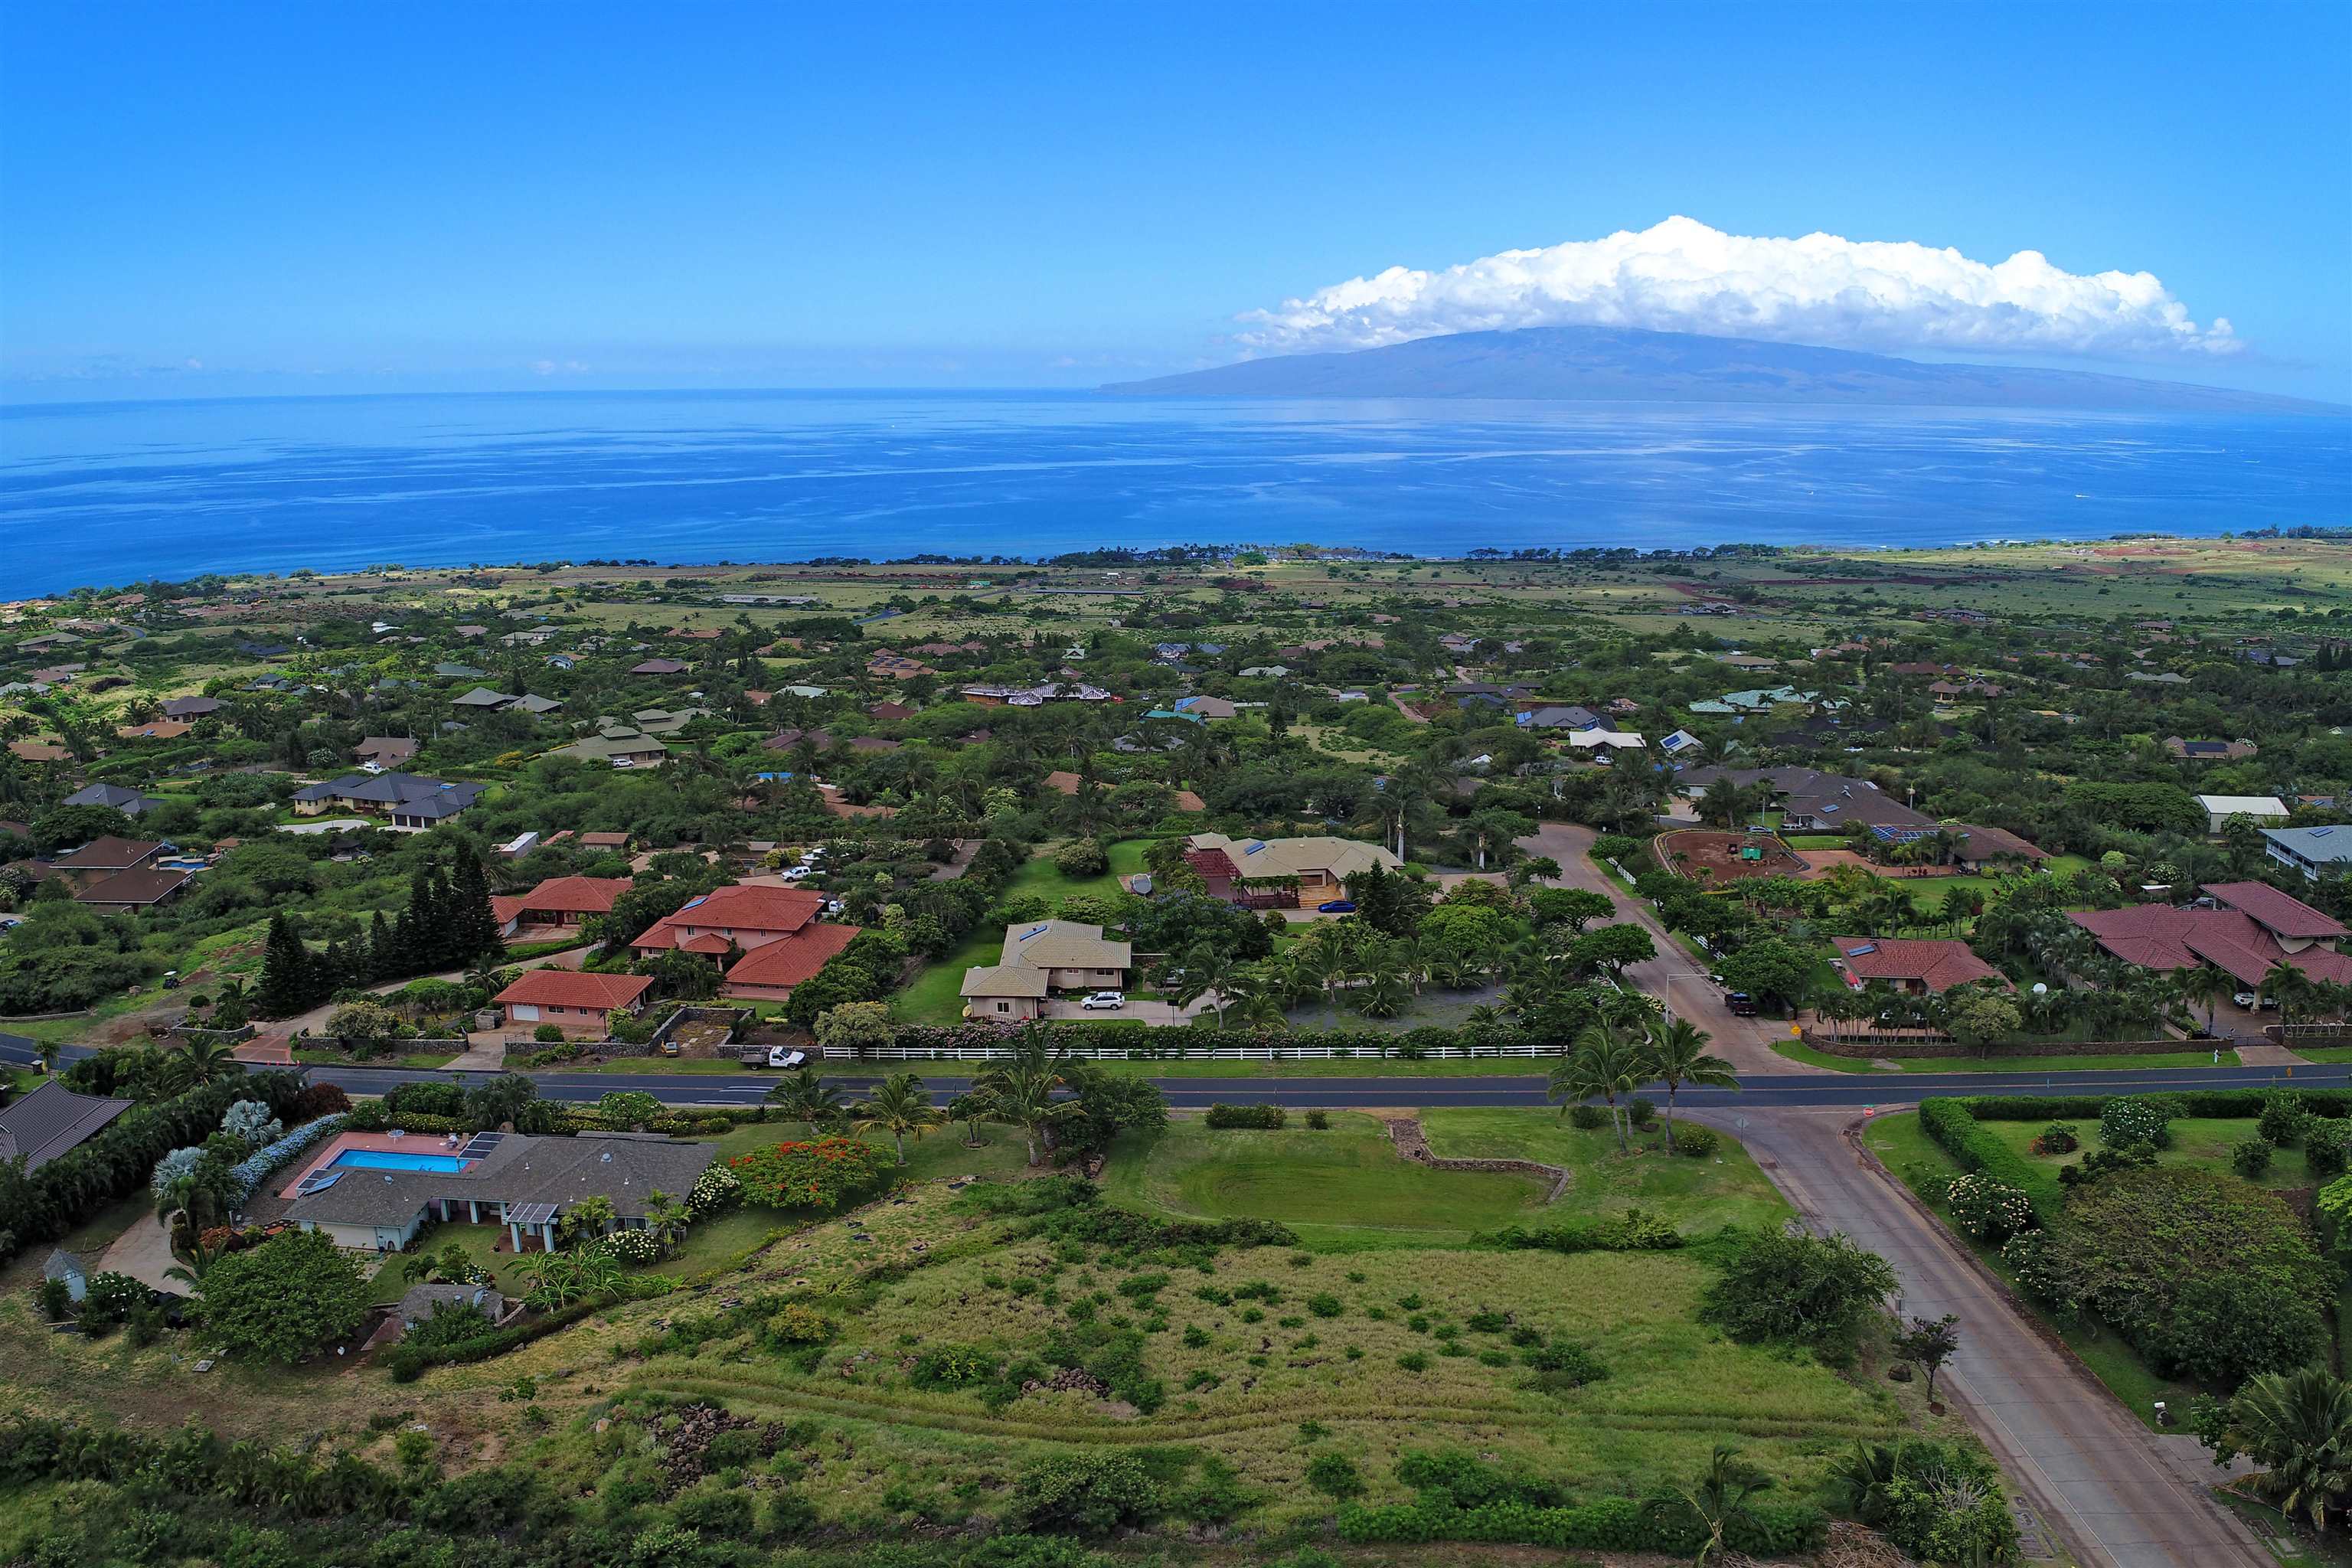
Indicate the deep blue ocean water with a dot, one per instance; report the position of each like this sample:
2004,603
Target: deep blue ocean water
105,493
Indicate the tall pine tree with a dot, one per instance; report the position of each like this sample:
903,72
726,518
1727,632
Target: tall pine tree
284,988
470,915
382,956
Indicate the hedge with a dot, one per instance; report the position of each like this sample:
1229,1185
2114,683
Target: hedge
74,1187
1265,1118
1775,1528
409,1363
1954,1127
1143,1043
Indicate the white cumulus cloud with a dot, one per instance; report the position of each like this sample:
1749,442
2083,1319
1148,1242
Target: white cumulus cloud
1682,276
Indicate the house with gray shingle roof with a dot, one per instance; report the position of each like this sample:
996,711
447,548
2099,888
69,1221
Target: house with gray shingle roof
53,1121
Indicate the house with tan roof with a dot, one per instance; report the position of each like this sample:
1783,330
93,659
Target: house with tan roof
1040,957
1315,868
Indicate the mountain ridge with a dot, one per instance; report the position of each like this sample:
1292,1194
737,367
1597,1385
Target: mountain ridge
1580,364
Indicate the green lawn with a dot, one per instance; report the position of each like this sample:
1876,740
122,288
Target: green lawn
939,1154
2196,1140
1700,1196
1040,875
1348,1067
1797,1051
1342,1189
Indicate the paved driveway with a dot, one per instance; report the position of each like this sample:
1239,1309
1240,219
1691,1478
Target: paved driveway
2125,1496
1674,976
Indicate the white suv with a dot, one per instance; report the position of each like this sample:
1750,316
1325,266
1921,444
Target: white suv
1101,1000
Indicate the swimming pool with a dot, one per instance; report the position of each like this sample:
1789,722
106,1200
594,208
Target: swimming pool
380,1160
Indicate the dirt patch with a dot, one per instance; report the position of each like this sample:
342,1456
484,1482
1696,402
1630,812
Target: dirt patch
1725,857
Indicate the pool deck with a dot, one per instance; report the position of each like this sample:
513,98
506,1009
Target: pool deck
376,1143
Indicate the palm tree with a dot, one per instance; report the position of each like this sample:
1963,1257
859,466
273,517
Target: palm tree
1604,1065
2202,985
1206,972
202,1060
1678,1054
969,1108
1721,1497
1261,1009
2291,988
1019,1090
2298,1426
665,1219
808,1098
1382,995
899,1106
192,1272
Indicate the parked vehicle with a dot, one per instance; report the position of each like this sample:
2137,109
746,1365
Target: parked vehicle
1101,1000
1336,907
796,873
785,1057
1742,1005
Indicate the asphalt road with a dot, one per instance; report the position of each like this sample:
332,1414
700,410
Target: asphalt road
2123,1496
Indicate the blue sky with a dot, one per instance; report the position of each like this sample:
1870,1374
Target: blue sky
233,197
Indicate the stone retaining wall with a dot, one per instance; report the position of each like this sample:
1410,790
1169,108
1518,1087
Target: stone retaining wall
1405,1133
1863,1049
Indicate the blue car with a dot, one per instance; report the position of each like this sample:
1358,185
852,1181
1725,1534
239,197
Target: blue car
1336,907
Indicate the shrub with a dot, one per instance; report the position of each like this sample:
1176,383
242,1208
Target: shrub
818,1174
2207,1277
1323,1304
56,1301
1262,1118
1588,1118
2058,1138
1335,1476
1414,1361
1989,1210
2283,1120
1081,858
1695,1140
795,1324
2135,1118
1565,1363
954,1366
2251,1157
1785,1285
2100,1162
1636,1230
1086,1494
548,1034
1319,1120
1640,1110
2032,1258
2327,1149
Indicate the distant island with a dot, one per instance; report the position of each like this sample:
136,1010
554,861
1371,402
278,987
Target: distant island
1623,364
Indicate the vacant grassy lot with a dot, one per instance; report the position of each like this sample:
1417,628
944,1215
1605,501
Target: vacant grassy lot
1699,1195
1265,1358
1342,1188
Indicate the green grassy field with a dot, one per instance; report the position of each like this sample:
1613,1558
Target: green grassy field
1697,1196
1344,1188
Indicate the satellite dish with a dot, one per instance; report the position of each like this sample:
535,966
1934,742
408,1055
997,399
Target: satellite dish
1141,884
2040,989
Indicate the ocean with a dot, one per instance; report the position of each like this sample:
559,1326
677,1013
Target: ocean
109,493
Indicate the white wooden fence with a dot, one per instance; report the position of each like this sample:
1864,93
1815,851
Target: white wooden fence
1209,1054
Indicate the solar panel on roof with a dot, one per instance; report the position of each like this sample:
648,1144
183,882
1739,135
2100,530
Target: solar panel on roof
2321,832
319,1182
531,1214
1039,931
1864,951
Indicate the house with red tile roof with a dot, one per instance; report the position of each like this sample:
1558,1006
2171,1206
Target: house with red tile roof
573,1000
1920,966
557,901
2245,930
775,933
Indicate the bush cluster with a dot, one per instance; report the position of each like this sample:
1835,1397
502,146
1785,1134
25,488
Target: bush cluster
1636,1230
1262,1118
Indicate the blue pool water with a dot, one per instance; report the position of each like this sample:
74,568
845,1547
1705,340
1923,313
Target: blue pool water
98,493
378,1160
